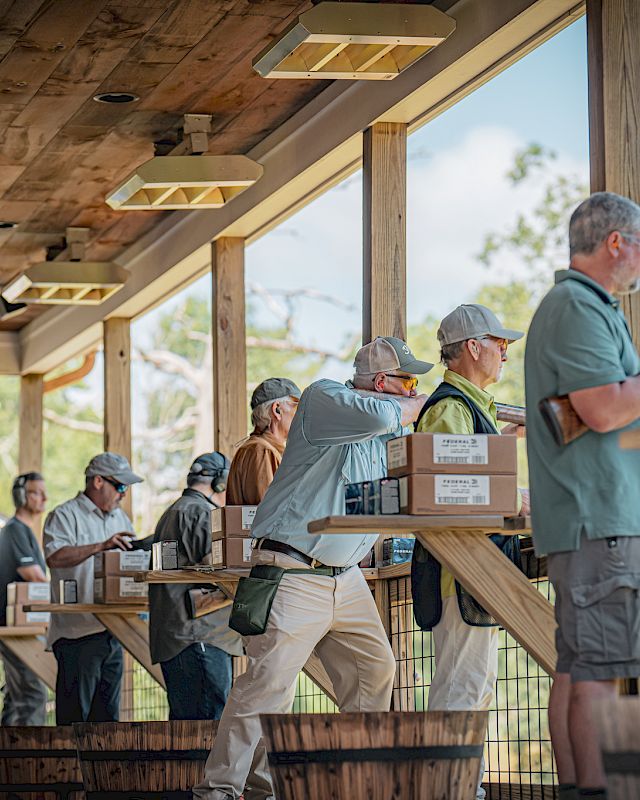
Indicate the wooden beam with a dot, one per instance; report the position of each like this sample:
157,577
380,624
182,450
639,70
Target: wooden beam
25,644
133,635
229,344
117,391
384,299
30,427
614,89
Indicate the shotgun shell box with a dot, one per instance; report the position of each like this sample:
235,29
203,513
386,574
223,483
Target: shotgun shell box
231,552
373,497
17,616
118,589
68,591
22,592
164,555
120,562
431,453
397,550
232,521
459,494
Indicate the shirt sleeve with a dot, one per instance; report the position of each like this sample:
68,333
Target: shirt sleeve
448,415
343,416
584,348
59,531
21,548
195,534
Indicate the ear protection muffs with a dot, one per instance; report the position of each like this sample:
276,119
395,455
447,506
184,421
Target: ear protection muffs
218,471
19,491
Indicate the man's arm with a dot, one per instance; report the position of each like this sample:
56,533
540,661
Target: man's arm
609,407
32,574
70,556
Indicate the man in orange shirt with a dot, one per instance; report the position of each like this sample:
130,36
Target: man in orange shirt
273,405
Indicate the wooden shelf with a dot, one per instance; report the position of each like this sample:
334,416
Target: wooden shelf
89,608
392,523
22,630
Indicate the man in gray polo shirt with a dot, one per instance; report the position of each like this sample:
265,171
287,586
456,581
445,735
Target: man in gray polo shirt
585,496
89,658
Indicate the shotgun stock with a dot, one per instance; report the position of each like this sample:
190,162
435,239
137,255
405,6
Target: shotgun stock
561,419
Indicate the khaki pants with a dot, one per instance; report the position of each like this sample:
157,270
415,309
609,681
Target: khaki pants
466,659
335,617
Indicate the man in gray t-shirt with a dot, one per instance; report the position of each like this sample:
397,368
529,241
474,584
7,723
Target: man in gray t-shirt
195,655
89,657
21,559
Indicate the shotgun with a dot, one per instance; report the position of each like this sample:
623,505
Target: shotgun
514,414
561,419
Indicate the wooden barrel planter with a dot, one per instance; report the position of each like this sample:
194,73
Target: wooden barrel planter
143,760
378,756
617,722
39,763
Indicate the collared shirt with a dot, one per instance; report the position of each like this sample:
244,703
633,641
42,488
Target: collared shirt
337,437
579,339
76,523
452,415
252,469
18,548
171,628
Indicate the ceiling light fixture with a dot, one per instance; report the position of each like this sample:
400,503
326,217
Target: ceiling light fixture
116,98
354,41
86,283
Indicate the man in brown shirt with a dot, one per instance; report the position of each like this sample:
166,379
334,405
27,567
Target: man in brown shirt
273,404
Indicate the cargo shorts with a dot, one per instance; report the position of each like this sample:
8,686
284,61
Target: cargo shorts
598,608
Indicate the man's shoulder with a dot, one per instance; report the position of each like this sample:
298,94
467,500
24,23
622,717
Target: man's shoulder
71,507
15,528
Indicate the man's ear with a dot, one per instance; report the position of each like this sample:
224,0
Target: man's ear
473,348
276,408
613,242
379,382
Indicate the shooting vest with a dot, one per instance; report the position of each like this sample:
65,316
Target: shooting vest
426,570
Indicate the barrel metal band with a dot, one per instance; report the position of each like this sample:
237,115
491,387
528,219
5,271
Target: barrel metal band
622,763
431,753
39,753
144,755
135,794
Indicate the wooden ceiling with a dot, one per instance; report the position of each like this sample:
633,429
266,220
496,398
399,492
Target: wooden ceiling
61,152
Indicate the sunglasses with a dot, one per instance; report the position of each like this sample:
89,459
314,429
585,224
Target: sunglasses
407,382
502,343
121,488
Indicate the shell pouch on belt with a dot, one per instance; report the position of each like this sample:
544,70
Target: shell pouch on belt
254,598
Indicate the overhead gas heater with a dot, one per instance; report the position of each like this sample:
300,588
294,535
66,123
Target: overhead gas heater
73,282
186,182
355,41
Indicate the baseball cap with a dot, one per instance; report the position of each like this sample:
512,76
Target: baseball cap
470,321
388,353
272,389
210,463
112,465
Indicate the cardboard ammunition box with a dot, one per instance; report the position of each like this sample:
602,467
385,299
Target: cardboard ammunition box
459,494
232,521
164,555
17,616
120,562
68,591
231,552
118,589
438,453
373,497
21,592
397,550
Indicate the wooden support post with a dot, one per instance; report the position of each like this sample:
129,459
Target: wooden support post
229,344
30,431
117,391
117,437
384,236
613,28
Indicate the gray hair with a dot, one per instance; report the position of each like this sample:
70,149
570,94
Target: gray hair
261,414
597,216
451,352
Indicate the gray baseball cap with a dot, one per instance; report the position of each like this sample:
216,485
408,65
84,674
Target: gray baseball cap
471,321
112,465
385,354
272,389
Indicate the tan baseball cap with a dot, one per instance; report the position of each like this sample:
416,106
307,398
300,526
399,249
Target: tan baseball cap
386,354
112,465
471,321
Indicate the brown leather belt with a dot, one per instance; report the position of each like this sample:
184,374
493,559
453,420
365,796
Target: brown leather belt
287,550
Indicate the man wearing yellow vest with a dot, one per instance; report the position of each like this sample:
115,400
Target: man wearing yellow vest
473,346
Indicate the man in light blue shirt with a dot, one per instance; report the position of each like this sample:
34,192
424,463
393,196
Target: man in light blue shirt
338,436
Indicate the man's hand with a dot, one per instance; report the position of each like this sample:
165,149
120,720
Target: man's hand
119,541
515,430
525,506
411,407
